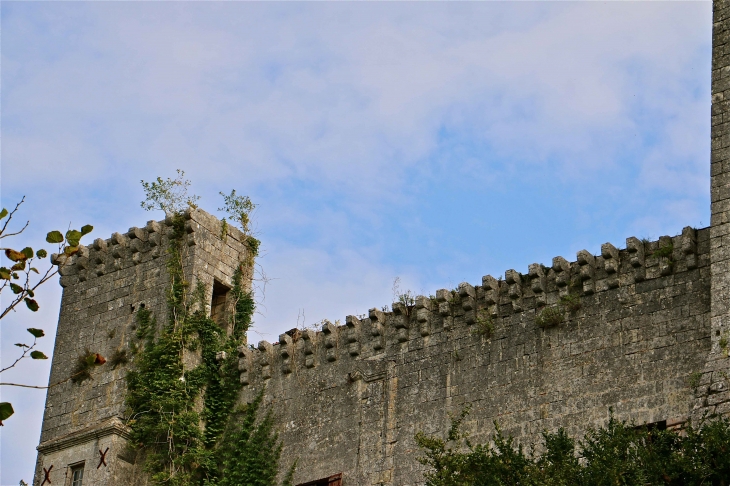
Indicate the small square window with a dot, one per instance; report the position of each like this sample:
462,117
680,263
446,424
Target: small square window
218,302
77,475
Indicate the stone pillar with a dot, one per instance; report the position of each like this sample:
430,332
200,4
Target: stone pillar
714,379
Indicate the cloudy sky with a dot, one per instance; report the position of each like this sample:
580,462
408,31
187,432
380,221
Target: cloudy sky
435,142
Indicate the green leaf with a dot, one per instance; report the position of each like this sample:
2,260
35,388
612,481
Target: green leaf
18,266
32,304
15,256
31,293
27,251
73,237
21,345
38,355
41,253
33,269
3,213
54,237
6,410
4,273
70,250
86,229
36,332
16,288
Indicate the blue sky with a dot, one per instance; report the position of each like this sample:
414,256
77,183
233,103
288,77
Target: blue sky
436,142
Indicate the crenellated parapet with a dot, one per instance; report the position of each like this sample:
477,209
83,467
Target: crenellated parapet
142,245
518,296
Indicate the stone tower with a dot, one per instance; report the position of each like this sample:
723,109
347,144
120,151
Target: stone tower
642,328
103,287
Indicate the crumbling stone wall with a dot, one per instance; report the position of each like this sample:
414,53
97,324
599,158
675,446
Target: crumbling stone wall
105,284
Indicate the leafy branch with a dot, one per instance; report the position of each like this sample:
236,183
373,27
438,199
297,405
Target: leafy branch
22,278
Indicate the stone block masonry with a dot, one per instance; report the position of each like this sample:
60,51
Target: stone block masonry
633,333
104,286
643,329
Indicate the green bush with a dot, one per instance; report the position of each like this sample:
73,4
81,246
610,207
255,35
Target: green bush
549,317
617,454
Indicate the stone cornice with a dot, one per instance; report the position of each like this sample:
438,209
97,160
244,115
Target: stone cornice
113,426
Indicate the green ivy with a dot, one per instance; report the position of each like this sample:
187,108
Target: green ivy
183,419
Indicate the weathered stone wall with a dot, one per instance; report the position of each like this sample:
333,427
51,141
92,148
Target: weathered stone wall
716,396
350,398
103,287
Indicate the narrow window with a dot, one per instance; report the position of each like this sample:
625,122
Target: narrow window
77,475
218,302
335,480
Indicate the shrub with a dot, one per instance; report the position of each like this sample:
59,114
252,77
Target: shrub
616,454
549,317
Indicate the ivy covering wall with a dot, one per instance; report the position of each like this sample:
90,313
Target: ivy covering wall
183,386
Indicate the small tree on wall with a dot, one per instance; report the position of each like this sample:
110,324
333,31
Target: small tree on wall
22,273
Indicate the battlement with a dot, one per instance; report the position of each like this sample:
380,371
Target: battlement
142,245
572,287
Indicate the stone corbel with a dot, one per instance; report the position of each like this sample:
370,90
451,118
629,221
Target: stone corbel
538,283
689,246
444,298
400,311
468,302
286,349
635,247
377,328
266,353
611,264
561,267
514,280
244,364
490,286
329,331
309,338
423,315
587,263
353,335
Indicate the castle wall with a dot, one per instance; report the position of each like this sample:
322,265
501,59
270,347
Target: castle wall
104,286
350,398
643,330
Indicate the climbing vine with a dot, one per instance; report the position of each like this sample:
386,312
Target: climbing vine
183,387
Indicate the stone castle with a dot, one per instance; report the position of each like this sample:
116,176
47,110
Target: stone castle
643,329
